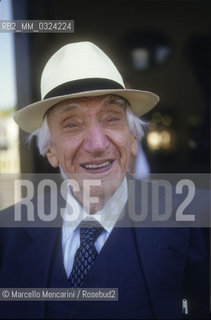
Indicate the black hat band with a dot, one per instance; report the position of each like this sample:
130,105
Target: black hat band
83,85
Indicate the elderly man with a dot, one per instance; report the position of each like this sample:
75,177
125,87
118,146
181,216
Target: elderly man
87,125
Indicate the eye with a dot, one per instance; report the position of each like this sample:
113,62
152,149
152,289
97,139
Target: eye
113,119
71,125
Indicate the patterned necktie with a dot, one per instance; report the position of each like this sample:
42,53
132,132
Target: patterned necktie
86,253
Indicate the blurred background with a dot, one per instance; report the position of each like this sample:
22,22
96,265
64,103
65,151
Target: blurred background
160,46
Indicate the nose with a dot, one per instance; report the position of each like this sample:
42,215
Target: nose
96,142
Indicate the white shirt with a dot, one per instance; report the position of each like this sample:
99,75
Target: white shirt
73,215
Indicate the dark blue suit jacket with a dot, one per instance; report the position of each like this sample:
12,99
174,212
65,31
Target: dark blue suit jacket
174,263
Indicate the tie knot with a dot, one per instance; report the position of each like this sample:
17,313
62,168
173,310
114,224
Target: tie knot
89,231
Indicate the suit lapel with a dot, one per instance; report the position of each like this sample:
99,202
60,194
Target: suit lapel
35,262
162,253
37,255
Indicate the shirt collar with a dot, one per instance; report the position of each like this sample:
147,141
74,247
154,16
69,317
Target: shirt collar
74,213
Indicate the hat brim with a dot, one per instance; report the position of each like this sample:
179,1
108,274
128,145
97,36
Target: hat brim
30,117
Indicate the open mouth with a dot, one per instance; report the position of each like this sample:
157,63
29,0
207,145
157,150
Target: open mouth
98,167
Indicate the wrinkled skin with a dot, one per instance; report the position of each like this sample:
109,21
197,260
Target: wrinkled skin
87,132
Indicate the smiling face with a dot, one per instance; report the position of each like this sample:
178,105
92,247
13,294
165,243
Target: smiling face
90,139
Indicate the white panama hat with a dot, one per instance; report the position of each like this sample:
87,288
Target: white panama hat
80,70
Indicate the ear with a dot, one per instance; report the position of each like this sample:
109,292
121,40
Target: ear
134,146
52,158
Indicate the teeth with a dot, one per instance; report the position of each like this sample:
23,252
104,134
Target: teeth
95,166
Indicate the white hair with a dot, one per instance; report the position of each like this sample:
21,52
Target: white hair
136,125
